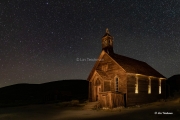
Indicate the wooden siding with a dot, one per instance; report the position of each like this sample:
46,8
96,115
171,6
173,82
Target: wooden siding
110,100
142,96
93,88
105,100
107,60
126,85
108,84
163,91
112,71
117,100
154,86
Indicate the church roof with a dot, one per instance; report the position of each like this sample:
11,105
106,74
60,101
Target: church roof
131,65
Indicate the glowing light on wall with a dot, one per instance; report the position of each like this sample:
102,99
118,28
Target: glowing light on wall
136,85
149,86
159,86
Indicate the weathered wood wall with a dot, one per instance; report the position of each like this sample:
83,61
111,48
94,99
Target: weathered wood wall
105,99
107,60
109,83
117,100
93,88
163,91
126,86
142,96
112,71
111,100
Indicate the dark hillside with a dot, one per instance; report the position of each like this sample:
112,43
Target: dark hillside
63,90
173,85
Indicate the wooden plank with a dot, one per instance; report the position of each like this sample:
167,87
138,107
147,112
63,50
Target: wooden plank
143,96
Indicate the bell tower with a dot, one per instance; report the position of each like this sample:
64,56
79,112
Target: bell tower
107,42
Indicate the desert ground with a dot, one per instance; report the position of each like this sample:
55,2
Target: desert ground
153,111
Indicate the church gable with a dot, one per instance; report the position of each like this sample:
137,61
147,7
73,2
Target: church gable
106,67
109,70
96,65
108,64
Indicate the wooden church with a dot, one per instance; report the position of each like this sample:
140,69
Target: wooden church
117,80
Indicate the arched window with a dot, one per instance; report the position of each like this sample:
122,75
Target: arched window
116,84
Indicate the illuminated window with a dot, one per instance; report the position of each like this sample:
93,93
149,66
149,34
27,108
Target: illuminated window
149,86
136,85
116,84
159,86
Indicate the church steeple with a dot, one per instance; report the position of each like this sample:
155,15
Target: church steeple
107,30
107,42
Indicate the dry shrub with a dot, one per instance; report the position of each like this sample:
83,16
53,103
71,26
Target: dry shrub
176,94
162,100
74,102
64,104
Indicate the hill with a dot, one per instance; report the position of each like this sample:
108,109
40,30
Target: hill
173,85
62,90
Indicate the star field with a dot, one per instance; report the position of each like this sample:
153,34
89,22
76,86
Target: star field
40,40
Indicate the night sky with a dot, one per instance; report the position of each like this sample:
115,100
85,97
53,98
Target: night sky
40,40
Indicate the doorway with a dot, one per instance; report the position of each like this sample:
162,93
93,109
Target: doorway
98,89
124,100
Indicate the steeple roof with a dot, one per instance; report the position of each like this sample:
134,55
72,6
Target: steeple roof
107,33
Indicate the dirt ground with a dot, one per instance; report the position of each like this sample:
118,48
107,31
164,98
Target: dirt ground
153,111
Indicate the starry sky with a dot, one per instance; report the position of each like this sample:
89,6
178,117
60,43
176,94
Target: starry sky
41,40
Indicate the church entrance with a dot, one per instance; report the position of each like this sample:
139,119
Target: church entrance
98,90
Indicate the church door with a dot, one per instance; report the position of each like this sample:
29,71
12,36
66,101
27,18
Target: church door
98,90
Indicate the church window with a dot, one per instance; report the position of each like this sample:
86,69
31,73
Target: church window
159,86
149,86
136,85
116,84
